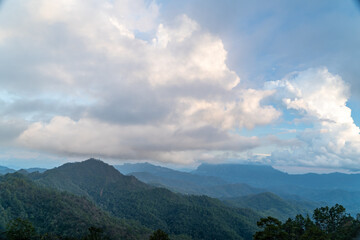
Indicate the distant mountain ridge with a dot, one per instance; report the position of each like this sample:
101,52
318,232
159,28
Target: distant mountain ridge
186,183
269,204
228,192
267,176
242,179
326,188
169,173
31,170
5,170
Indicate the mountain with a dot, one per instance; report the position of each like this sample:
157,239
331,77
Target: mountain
125,197
254,175
31,170
190,187
5,170
58,213
88,178
127,168
266,176
234,194
349,199
169,174
269,204
326,188
186,183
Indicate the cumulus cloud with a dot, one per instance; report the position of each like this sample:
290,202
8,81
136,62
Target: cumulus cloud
162,143
320,98
122,83
114,79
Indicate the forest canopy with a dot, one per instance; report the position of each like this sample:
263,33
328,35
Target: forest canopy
327,223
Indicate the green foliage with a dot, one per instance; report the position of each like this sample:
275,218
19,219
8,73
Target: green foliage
269,204
330,219
272,230
95,234
58,214
330,224
20,229
125,197
159,235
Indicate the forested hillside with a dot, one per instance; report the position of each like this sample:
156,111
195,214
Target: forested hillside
58,213
200,217
92,198
235,194
269,204
186,183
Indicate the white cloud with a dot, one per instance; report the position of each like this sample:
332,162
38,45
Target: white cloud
169,98
238,111
186,55
319,96
111,78
163,143
184,29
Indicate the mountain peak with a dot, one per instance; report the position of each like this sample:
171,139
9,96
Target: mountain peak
253,174
91,168
89,174
127,168
5,170
93,161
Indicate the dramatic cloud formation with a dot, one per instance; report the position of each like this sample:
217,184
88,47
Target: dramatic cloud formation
320,97
268,39
118,79
113,93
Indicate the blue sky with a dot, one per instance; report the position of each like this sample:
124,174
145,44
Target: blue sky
179,83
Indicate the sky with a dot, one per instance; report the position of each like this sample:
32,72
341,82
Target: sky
180,83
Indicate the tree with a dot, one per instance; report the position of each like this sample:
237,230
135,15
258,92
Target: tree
314,233
95,234
330,224
272,230
295,228
20,229
159,235
330,219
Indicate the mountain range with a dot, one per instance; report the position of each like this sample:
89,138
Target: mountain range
267,177
237,180
212,202
125,197
5,170
186,183
326,189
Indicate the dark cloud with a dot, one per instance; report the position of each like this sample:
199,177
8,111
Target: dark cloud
132,106
10,129
41,109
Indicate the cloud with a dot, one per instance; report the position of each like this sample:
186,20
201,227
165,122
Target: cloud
117,79
10,129
267,40
112,79
163,143
319,96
